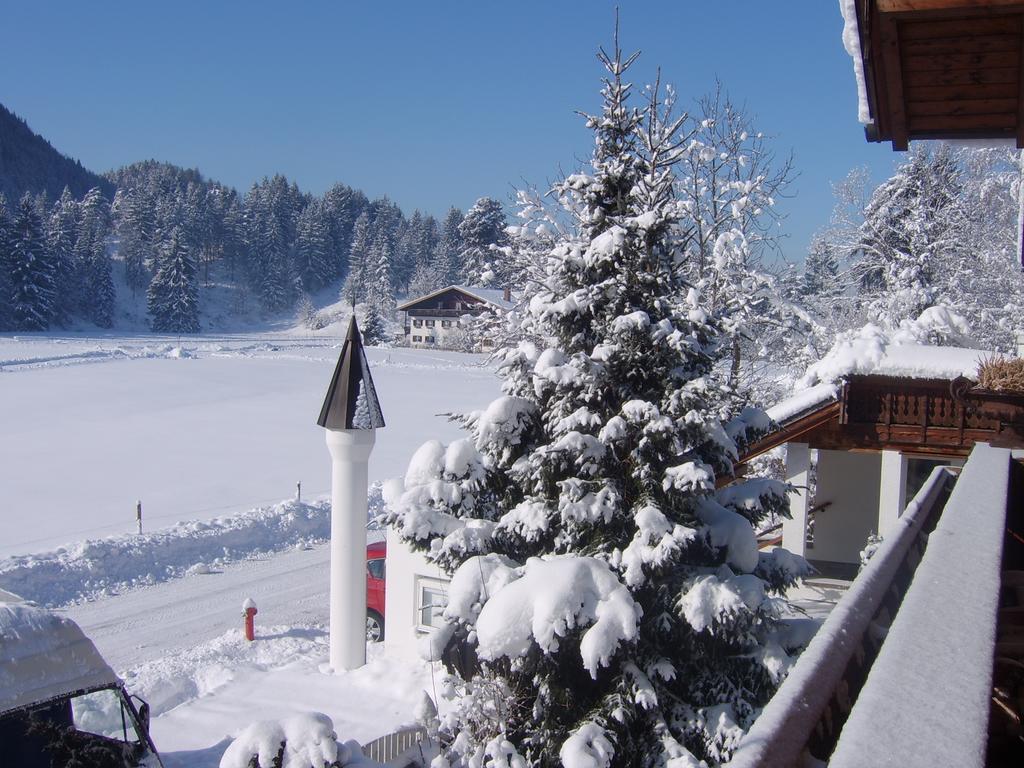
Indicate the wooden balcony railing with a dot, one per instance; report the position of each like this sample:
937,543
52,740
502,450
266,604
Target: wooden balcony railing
808,712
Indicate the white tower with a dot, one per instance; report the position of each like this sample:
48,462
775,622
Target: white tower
351,415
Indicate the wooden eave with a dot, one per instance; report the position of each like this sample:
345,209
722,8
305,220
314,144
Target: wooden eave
914,416
792,431
943,69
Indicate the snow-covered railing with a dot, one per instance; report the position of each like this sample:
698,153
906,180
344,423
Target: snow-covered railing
810,708
926,701
393,745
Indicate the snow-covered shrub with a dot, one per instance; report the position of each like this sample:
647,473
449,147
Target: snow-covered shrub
873,543
301,741
608,603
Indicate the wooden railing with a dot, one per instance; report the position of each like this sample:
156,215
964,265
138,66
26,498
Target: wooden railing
927,702
809,709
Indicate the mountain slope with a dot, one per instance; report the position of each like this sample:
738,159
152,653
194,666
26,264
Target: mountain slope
28,162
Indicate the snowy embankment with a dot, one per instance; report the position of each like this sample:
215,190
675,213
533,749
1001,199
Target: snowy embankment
101,567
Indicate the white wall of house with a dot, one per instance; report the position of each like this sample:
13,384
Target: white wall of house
798,474
413,585
851,481
426,331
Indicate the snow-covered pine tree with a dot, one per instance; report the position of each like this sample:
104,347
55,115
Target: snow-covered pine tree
373,330
312,248
483,227
426,240
136,227
276,282
379,290
821,271
407,253
608,607
6,321
354,290
342,207
449,248
31,269
61,230
173,296
96,287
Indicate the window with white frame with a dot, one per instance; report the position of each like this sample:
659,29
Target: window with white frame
431,598
430,323
446,323
430,339
417,339
417,323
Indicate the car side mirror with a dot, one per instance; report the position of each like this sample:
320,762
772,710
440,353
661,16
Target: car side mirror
143,710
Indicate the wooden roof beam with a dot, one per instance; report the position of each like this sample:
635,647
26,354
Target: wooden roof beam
897,6
890,45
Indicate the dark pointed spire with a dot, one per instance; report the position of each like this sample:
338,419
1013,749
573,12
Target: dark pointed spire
351,401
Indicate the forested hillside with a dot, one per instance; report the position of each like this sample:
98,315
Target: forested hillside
28,163
155,243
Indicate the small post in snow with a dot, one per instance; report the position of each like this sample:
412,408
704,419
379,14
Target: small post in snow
138,515
298,491
351,415
248,613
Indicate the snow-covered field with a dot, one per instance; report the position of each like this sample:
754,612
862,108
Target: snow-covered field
203,431
211,426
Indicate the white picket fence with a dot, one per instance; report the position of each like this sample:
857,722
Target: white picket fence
401,748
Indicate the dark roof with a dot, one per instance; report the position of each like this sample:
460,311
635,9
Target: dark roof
351,401
493,296
942,69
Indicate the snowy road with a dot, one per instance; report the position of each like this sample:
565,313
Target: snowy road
146,624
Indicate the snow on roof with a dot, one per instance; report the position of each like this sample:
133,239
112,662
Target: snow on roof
872,351
851,41
802,402
45,656
926,699
493,296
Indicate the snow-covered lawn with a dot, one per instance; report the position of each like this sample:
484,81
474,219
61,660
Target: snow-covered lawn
210,426
203,696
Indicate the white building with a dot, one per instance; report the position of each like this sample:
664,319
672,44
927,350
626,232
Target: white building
444,318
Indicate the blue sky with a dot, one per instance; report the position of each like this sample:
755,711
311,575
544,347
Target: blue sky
432,103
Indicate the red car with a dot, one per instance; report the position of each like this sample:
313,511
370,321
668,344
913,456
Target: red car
375,554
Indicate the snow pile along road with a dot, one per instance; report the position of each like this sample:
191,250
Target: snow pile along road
99,567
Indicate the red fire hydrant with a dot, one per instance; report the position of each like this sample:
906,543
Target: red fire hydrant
249,611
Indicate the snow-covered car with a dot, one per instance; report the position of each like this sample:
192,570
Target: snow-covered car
60,702
376,555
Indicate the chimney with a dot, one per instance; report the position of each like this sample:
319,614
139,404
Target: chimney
508,293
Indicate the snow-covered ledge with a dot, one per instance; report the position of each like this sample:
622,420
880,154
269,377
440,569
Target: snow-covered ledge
926,701
818,684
